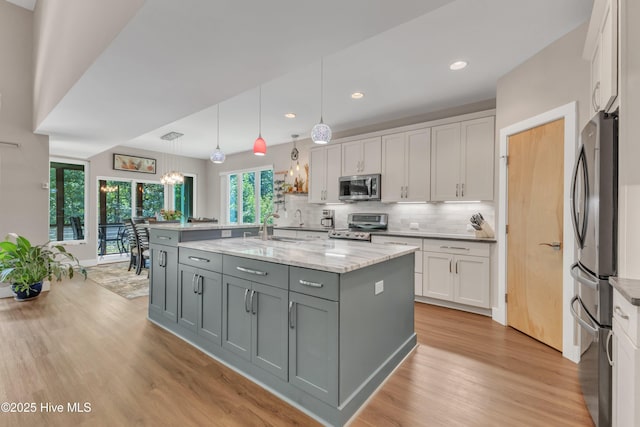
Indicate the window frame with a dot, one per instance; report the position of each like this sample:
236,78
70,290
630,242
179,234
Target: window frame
87,178
225,199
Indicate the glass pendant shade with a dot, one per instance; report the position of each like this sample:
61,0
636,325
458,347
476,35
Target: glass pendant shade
260,147
321,133
217,156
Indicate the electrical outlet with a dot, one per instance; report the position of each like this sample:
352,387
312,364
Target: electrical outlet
226,233
379,287
414,226
470,227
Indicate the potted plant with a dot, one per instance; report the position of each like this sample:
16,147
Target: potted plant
170,215
25,266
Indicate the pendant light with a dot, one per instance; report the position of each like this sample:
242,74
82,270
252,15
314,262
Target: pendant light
321,133
218,156
260,146
172,176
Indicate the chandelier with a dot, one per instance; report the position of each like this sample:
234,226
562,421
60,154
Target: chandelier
172,176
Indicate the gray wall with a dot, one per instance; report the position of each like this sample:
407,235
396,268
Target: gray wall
25,204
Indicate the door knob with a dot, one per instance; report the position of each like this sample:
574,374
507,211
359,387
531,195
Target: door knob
556,246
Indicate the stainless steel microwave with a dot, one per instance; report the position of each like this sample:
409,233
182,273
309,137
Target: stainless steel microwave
359,187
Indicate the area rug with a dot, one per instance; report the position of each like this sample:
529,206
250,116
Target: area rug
117,279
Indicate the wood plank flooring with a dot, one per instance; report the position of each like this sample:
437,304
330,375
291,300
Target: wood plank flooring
82,343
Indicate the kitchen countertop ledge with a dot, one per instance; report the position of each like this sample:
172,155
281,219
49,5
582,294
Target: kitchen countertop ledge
403,233
336,256
198,226
628,288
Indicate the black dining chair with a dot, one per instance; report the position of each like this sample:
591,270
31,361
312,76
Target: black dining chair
130,232
76,227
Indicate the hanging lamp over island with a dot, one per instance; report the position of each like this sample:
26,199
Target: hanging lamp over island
218,156
321,133
260,146
172,176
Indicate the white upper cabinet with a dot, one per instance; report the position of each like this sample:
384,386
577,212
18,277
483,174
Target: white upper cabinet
324,171
602,50
361,157
405,166
462,158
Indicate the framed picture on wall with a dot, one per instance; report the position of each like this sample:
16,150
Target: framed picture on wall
123,162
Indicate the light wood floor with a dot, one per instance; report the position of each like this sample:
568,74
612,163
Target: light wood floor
82,343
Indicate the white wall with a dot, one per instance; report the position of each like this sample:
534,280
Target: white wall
25,204
69,36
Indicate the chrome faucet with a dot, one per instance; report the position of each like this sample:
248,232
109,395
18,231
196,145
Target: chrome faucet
298,214
265,234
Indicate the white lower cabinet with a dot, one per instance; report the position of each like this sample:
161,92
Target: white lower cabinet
449,274
626,362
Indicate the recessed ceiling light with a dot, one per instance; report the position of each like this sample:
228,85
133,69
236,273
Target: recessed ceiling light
290,115
458,65
357,95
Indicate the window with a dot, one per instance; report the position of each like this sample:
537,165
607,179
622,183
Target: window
149,199
183,197
249,195
67,199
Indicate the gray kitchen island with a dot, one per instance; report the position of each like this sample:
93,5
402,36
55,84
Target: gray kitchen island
320,324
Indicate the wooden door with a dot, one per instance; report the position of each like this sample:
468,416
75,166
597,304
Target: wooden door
535,213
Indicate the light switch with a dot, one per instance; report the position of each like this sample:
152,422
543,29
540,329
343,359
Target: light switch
379,287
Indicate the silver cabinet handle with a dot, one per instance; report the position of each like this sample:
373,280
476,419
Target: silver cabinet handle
460,248
164,238
462,190
617,310
195,258
457,187
246,292
200,285
311,284
406,191
193,283
251,303
609,355
556,246
456,266
450,261
291,321
250,271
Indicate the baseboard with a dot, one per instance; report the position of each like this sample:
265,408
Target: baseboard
449,304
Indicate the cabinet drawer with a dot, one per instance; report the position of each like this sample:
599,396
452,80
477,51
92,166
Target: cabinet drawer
164,237
200,259
408,241
256,271
626,314
457,247
314,282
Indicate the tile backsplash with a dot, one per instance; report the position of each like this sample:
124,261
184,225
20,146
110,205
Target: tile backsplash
450,218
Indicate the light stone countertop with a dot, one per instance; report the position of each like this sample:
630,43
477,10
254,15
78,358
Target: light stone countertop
337,256
628,288
198,226
469,237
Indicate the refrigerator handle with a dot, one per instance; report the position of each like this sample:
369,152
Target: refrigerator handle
576,271
580,229
608,346
590,328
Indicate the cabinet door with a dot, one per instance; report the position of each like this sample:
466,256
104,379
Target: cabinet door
418,161
371,162
157,279
437,270
188,283
445,162
596,103
313,346
626,379
236,316
317,174
171,282
269,329
608,45
476,181
210,306
394,169
334,154
471,283
351,158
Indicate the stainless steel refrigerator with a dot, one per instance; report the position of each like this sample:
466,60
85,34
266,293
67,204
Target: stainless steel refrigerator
594,200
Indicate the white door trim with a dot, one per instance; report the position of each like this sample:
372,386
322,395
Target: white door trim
570,336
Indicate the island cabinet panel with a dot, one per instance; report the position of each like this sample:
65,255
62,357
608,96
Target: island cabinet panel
200,302
259,271
255,323
313,346
163,280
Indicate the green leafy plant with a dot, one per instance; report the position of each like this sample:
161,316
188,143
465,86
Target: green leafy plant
170,215
23,264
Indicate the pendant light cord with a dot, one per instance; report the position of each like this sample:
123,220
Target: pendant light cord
321,88
218,135
260,111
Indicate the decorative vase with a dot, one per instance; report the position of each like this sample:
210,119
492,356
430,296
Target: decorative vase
26,295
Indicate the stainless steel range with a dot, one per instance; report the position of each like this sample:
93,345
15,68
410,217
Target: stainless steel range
360,225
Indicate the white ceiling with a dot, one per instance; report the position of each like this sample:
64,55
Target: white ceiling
171,65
